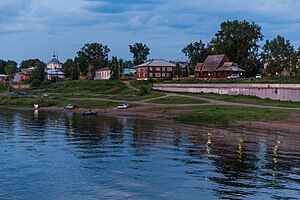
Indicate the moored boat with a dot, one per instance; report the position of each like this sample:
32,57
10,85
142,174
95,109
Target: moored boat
89,113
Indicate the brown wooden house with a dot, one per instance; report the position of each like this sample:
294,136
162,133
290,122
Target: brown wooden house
154,69
25,74
217,66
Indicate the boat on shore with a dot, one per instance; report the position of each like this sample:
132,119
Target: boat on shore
89,113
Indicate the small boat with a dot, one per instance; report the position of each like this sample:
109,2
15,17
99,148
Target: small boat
89,113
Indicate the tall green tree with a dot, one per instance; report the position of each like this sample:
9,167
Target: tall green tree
29,63
38,74
239,41
2,66
94,55
296,63
117,67
277,55
10,70
177,71
71,70
196,52
139,52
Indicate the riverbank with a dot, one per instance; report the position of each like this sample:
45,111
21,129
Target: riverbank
104,96
291,124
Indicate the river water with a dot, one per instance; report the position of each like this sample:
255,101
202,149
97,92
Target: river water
67,156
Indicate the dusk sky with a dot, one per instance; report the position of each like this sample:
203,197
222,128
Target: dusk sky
34,28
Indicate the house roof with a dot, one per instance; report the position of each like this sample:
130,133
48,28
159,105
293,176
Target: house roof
212,62
157,63
103,69
230,66
3,75
26,71
198,67
128,71
54,72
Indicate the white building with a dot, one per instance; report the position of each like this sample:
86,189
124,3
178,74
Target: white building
54,69
103,74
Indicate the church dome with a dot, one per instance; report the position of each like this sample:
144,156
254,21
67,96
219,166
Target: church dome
54,61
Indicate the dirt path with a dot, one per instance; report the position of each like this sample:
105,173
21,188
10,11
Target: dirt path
128,85
209,102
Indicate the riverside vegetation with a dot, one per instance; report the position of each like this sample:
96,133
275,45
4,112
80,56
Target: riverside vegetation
108,94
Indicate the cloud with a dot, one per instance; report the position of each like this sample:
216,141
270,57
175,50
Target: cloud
165,25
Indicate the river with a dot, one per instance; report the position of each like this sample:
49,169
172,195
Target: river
66,156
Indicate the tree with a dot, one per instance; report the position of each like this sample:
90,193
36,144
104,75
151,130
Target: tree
38,74
176,71
10,70
278,54
29,63
71,69
239,41
94,55
140,52
116,66
196,52
296,63
2,66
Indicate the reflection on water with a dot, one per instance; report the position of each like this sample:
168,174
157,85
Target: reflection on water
67,156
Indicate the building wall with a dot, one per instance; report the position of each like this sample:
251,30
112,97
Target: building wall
50,76
103,75
283,92
144,73
54,66
4,78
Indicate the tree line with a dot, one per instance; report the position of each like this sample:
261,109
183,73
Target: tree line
239,40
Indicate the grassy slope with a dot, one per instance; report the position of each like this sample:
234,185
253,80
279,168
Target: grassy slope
229,114
65,92
176,100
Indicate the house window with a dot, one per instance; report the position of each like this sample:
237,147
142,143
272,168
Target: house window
169,69
157,75
150,74
168,75
163,69
151,69
157,68
163,75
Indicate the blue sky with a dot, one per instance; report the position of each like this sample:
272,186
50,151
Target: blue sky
34,28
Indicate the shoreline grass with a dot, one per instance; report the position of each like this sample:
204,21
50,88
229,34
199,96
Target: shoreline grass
230,114
176,100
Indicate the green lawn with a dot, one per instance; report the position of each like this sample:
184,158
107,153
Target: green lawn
230,114
176,100
247,100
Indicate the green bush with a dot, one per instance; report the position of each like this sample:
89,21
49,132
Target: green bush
35,83
143,91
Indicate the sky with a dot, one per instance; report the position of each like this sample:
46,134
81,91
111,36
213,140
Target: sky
35,28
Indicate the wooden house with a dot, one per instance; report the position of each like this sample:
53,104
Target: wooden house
217,66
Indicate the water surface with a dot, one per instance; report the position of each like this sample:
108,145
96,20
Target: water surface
67,156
